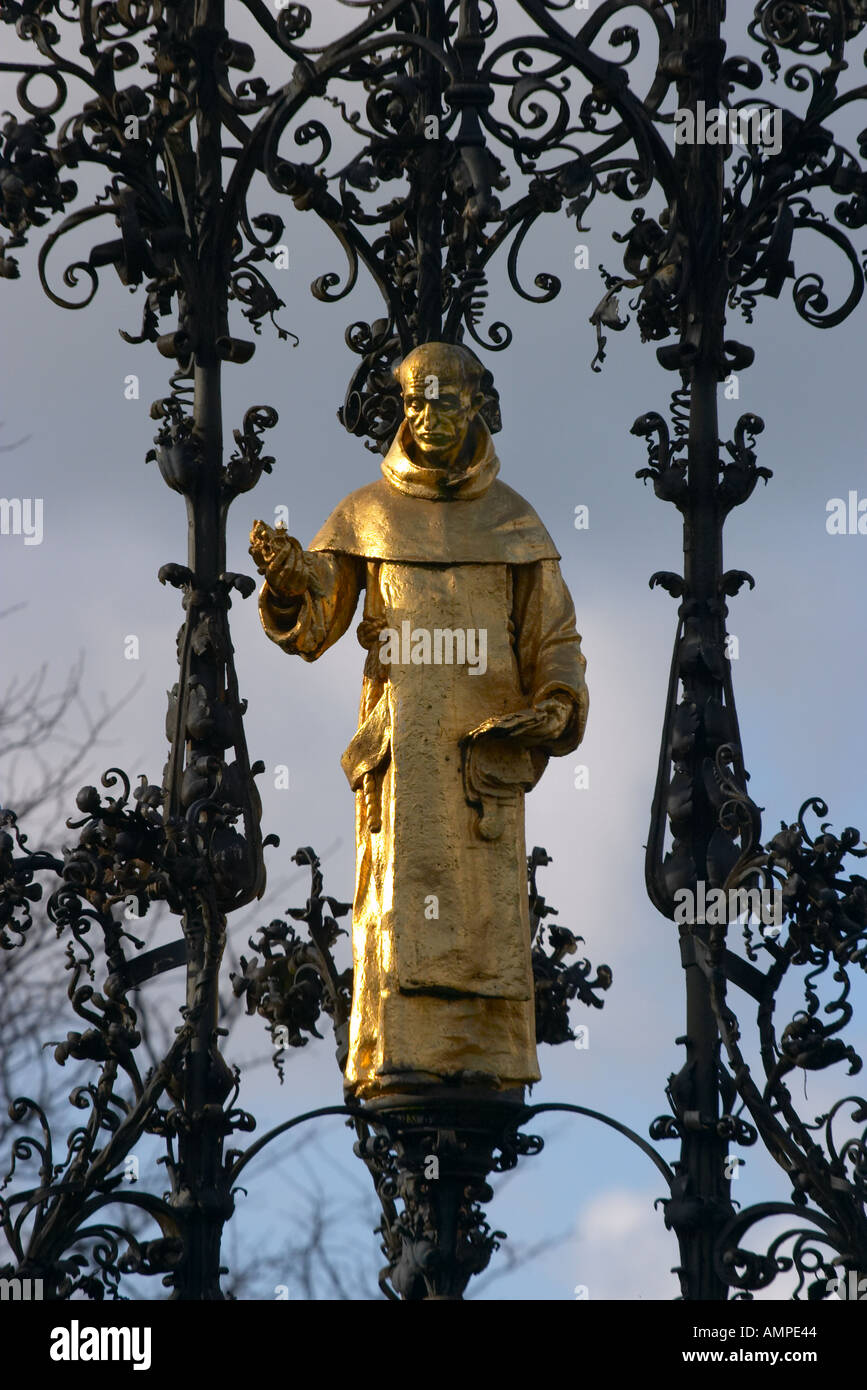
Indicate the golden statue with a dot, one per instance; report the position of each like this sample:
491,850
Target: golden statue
474,677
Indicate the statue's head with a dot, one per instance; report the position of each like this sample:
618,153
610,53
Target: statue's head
441,386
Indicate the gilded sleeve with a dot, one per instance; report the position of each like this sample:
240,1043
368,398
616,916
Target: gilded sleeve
548,645
308,625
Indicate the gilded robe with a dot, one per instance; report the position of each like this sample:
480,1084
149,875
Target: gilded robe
443,986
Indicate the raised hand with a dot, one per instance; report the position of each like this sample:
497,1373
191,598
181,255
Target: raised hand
280,558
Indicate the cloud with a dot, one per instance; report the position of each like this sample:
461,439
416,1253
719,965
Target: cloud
621,1249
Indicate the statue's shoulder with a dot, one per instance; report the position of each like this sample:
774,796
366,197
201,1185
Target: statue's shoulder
357,521
507,502
380,522
518,525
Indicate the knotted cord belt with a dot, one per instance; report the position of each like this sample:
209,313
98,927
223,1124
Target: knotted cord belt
367,633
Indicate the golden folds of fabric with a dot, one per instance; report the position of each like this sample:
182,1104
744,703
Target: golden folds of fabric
443,985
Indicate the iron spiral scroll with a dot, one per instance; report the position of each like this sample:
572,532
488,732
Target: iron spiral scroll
429,138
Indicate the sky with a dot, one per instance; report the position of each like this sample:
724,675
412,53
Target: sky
109,523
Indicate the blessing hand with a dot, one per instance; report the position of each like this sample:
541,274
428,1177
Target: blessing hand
280,558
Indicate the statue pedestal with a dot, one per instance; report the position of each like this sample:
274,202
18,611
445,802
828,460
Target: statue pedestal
432,1152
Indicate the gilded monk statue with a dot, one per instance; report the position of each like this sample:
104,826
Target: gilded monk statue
474,677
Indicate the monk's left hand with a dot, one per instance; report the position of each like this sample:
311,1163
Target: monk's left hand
542,723
553,715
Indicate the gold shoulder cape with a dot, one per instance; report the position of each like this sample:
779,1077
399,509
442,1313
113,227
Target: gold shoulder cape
425,516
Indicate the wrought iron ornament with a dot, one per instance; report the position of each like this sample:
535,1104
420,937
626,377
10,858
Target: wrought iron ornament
455,138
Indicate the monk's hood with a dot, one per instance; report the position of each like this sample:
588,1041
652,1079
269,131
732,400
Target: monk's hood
438,484
426,516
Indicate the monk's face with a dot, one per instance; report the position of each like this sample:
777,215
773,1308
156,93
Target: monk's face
439,411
